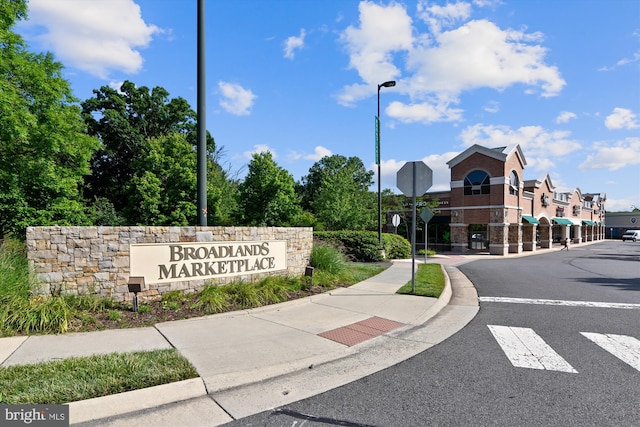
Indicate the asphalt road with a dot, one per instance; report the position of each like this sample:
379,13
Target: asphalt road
533,310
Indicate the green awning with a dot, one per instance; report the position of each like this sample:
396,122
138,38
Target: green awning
562,221
530,219
586,221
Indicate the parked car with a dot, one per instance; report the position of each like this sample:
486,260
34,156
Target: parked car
632,235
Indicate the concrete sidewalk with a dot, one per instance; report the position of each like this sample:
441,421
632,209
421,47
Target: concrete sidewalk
253,360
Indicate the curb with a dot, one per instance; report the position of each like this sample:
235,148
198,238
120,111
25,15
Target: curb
147,398
136,400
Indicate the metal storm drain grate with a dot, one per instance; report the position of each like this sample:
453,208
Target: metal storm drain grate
361,331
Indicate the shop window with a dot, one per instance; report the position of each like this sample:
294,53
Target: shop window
477,182
514,183
478,237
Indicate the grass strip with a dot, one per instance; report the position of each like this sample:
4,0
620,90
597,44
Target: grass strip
429,281
80,378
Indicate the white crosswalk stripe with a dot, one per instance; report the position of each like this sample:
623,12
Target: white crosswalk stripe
525,349
623,347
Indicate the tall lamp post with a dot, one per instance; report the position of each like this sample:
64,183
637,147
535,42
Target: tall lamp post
201,129
390,83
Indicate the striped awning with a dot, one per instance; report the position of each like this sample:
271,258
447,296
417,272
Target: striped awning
562,221
530,219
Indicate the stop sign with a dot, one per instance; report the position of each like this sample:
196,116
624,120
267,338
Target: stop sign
423,178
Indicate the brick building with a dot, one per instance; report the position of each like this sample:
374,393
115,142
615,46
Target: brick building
491,207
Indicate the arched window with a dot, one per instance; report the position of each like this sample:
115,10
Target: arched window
477,182
514,183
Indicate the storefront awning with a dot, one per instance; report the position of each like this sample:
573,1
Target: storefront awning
562,221
530,219
588,222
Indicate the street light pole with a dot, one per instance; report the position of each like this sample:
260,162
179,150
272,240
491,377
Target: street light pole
201,127
390,83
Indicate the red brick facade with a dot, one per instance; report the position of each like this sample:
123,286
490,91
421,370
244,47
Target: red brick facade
492,207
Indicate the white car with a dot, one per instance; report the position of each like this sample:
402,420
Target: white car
632,235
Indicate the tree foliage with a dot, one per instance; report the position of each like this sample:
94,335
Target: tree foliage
267,195
44,149
162,189
222,193
125,121
336,191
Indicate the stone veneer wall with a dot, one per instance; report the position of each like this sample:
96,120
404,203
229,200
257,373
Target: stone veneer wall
82,260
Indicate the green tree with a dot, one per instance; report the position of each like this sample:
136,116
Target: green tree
44,148
162,189
124,120
222,193
311,184
336,192
267,195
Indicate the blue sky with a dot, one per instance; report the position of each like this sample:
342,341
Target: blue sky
299,78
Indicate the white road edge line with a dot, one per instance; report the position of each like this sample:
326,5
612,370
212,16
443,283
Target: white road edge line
526,349
592,304
623,347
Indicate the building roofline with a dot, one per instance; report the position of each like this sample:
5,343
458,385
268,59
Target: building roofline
500,153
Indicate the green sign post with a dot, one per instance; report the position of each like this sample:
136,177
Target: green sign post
377,140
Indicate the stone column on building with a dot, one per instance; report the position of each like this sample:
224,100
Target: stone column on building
459,234
498,233
577,230
545,235
515,238
529,237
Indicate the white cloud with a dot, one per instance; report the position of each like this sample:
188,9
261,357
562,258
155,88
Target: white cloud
437,16
257,149
116,85
382,31
318,153
565,116
492,107
292,43
621,205
441,64
97,36
540,146
479,54
613,157
423,112
441,172
624,61
236,99
621,118
436,162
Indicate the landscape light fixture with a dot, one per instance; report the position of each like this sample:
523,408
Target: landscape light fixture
136,284
390,83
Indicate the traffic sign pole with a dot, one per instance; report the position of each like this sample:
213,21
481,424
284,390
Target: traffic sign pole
426,216
411,179
413,233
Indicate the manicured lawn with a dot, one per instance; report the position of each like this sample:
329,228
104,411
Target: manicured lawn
429,281
80,378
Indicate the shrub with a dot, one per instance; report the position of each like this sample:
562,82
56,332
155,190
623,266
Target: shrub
396,246
38,314
243,295
273,289
328,258
213,299
364,246
15,278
